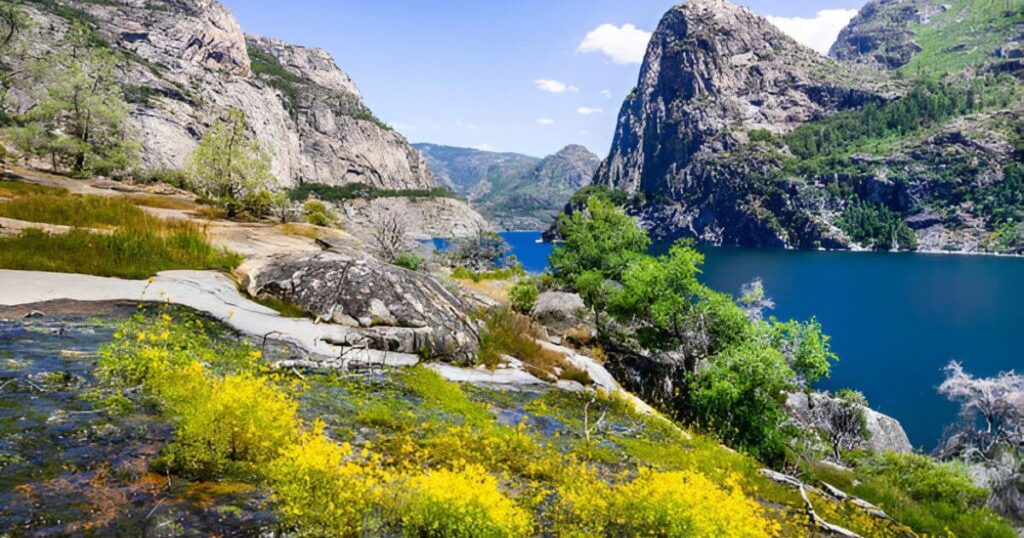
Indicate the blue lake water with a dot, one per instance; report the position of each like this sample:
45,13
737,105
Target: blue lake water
895,319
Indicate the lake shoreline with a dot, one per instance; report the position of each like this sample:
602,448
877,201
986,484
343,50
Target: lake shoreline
855,249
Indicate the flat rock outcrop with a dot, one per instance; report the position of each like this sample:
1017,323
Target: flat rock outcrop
395,309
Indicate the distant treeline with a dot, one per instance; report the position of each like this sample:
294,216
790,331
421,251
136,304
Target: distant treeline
353,191
927,104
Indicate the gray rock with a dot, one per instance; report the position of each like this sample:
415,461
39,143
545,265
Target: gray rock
192,58
714,72
398,310
560,312
886,433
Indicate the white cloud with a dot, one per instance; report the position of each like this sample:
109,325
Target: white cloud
545,121
607,94
587,111
624,44
819,32
554,86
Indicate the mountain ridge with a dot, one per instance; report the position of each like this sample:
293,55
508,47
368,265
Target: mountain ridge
512,190
723,134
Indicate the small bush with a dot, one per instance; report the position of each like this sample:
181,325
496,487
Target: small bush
231,424
510,333
318,214
680,503
523,295
409,261
321,488
460,503
463,273
930,497
171,176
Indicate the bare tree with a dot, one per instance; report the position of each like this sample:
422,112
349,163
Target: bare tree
999,401
843,421
389,231
482,250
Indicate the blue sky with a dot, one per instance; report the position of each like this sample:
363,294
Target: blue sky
528,76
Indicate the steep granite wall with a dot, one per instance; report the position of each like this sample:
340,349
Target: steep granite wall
187,61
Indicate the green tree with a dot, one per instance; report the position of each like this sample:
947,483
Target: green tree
806,348
602,238
229,164
661,291
739,396
81,109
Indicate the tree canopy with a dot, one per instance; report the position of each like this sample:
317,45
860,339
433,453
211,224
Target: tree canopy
230,165
81,119
602,238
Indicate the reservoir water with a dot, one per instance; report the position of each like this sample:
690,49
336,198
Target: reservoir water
895,319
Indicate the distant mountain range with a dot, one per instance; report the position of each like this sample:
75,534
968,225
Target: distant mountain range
910,135
513,191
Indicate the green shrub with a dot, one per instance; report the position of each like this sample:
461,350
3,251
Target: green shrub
929,496
460,503
739,396
318,214
409,260
523,295
463,273
602,238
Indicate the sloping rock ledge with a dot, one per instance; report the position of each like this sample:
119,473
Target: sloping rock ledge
322,344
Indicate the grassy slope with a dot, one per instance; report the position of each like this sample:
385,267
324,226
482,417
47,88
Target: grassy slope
963,36
139,245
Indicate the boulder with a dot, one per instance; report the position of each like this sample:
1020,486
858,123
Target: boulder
394,309
885,433
560,312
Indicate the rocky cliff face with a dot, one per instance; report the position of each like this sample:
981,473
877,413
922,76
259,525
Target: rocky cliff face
737,135
187,62
713,73
879,35
514,191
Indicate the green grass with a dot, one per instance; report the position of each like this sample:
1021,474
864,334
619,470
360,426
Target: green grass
127,253
285,308
18,189
139,246
963,36
77,210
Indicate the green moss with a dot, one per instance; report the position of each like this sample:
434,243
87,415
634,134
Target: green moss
285,308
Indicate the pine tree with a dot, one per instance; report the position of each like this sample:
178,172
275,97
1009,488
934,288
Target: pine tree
81,108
